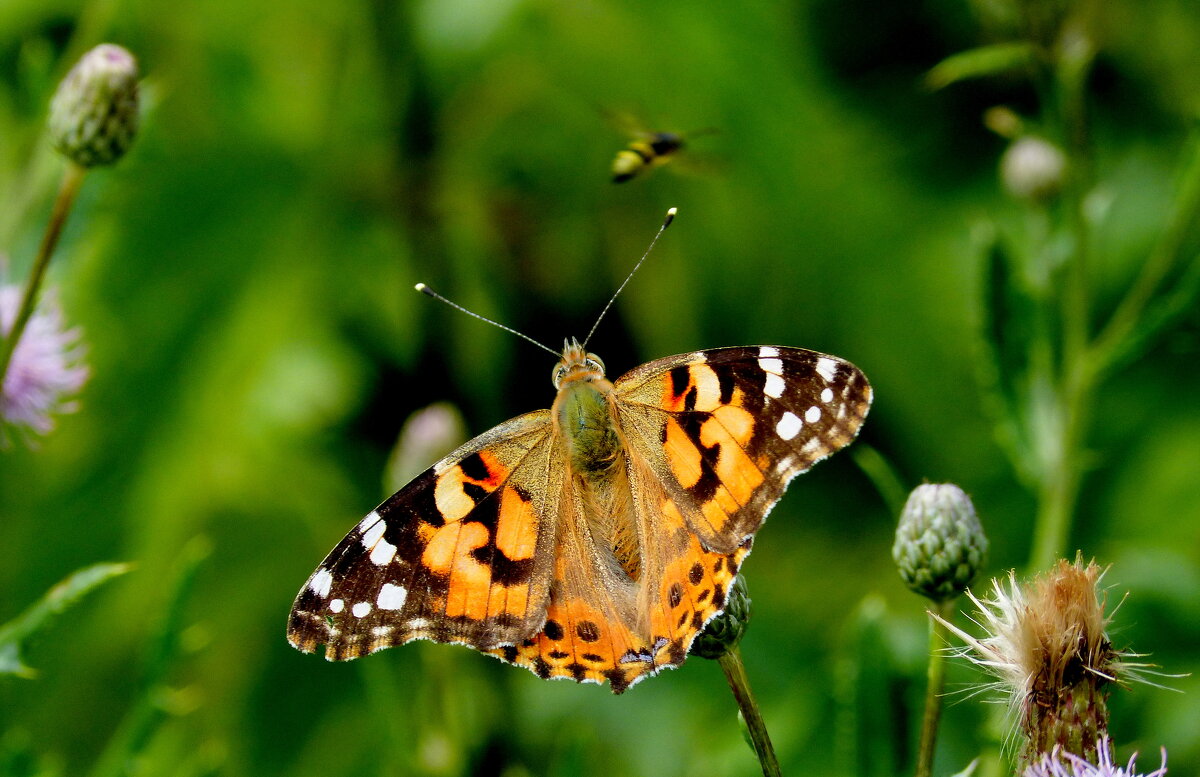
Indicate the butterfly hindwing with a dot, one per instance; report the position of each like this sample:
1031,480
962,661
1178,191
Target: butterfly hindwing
463,553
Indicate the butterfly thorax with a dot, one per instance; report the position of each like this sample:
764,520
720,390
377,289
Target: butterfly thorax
583,413
585,421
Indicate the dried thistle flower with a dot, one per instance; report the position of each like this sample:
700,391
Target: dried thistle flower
940,545
94,112
44,371
1047,644
1060,764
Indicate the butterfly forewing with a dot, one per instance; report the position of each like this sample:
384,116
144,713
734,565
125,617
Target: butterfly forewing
728,428
460,554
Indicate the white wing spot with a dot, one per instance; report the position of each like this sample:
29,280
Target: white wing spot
827,395
827,368
789,426
774,386
417,623
383,553
391,597
381,631
767,352
320,581
813,414
774,366
337,605
367,522
361,609
372,535
697,358
812,446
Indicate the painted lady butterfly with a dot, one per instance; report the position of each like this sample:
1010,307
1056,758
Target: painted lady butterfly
593,540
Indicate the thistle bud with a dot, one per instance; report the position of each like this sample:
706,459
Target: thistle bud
1033,169
940,545
725,631
94,113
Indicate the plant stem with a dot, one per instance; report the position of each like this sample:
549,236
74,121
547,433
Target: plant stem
933,690
1072,380
739,683
72,178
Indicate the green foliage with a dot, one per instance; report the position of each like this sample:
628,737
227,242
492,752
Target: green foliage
58,599
995,60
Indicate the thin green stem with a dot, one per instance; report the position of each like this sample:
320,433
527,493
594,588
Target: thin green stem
882,474
1059,491
72,178
739,683
936,680
1071,379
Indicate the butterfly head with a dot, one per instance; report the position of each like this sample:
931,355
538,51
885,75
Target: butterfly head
576,364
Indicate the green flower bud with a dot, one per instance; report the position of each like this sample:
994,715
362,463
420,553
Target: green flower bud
725,631
940,545
94,113
1033,169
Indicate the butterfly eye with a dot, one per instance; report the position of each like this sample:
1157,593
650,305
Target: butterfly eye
595,363
557,375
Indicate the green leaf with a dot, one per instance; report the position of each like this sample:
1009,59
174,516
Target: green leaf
977,63
56,600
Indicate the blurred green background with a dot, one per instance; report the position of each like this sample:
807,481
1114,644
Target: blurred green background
244,281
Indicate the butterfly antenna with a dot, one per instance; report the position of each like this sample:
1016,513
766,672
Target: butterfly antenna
666,223
426,290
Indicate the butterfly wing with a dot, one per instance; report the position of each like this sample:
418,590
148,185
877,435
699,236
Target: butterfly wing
464,553
711,440
726,430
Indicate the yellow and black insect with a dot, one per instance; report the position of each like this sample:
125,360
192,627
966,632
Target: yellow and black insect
648,150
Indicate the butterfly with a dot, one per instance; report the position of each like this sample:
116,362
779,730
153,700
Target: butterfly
593,540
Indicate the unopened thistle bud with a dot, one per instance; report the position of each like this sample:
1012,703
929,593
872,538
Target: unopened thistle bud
940,545
725,631
1047,643
94,113
1033,169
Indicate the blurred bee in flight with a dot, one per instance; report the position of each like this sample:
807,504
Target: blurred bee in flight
649,150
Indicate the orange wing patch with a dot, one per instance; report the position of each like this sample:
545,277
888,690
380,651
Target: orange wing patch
691,588
694,386
579,643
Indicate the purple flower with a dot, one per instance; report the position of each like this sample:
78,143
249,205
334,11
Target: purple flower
45,369
1061,764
